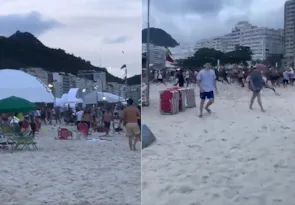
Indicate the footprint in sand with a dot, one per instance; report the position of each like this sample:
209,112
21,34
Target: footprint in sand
185,189
204,179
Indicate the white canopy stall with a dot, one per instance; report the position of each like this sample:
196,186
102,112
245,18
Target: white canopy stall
94,97
71,98
74,96
20,84
59,103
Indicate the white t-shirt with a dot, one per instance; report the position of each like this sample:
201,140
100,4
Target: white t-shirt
38,113
79,115
207,80
159,75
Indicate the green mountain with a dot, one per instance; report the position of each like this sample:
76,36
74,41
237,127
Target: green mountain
159,37
22,49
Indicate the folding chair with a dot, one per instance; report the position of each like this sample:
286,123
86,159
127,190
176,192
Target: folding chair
25,125
84,130
64,134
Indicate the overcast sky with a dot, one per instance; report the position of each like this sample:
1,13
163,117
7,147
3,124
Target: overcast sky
96,30
191,20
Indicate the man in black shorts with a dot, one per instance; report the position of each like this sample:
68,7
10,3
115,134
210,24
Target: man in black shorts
256,83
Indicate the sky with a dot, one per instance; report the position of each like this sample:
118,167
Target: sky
95,30
190,20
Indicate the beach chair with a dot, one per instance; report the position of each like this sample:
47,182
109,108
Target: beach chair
22,140
84,130
64,134
6,135
25,125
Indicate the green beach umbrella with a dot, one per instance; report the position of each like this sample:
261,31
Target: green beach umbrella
15,104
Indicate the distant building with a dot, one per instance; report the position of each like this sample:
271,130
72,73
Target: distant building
157,55
134,92
262,41
99,77
182,51
289,32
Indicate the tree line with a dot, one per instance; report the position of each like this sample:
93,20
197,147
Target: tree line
241,55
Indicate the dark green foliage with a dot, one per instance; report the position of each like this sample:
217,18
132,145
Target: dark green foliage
22,50
240,55
159,37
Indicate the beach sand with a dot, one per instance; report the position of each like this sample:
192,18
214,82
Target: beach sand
234,156
71,172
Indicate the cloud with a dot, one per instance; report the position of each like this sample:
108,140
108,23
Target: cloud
32,22
117,40
191,20
90,29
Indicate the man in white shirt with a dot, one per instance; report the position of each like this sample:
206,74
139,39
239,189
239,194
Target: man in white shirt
206,80
79,116
187,74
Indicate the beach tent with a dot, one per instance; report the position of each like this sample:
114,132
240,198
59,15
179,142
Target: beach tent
94,97
74,96
64,98
15,104
59,102
20,84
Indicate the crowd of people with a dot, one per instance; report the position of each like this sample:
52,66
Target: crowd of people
228,74
98,119
255,78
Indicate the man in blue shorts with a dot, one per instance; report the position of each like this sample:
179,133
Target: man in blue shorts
206,80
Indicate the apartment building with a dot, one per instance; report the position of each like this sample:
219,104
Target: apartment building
289,32
157,55
133,92
57,84
182,51
262,41
63,82
98,77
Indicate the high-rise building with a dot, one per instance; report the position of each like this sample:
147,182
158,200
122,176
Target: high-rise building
98,76
157,55
289,32
262,41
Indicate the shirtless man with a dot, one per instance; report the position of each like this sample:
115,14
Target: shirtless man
130,117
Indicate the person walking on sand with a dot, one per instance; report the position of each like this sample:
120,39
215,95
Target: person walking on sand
107,119
130,117
180,79
187,77
206,81
256,83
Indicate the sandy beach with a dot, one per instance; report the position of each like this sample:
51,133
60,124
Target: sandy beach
71,172
234,156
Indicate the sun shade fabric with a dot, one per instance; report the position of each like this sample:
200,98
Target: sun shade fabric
15,104
23,85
